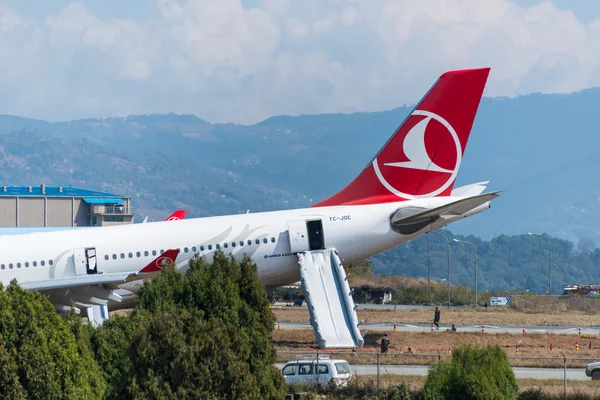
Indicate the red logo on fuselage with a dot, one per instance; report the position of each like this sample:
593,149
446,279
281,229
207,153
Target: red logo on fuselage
163,262
422,159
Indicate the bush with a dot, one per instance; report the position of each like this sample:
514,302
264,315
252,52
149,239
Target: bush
532,394
399,392
473,373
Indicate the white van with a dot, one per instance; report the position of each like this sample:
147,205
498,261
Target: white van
306,370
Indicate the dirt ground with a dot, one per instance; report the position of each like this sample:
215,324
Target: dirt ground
428,347
493,316
549,386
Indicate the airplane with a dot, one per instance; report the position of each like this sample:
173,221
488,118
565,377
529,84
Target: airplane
176,216
405,191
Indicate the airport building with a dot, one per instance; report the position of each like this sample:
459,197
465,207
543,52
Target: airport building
38,206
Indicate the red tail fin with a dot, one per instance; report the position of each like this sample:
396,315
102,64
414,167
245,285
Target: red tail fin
177,215
166,259
423,156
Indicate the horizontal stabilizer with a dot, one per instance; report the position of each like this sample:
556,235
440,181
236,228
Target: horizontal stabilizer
473,189
409,221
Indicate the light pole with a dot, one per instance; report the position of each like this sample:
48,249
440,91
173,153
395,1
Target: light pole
448,252
549,252
475,254
428,271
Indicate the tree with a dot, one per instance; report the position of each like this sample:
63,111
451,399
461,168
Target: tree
473,373
41,353
110,343
10,386
202,334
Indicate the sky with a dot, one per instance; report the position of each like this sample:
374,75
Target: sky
245,60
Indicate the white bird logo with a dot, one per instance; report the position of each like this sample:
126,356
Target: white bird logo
415,151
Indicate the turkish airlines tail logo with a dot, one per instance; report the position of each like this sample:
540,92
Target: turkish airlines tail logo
423,156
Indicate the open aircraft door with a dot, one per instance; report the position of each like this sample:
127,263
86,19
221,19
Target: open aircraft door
298,236
306,235
85,261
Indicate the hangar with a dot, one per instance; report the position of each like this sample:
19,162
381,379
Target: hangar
48,206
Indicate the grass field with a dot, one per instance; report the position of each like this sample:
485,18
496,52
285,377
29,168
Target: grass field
428,347
493,316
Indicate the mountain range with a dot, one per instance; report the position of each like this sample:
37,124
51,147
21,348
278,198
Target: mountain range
541,149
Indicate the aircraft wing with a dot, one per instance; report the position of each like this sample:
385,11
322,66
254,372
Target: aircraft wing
155,266
411,219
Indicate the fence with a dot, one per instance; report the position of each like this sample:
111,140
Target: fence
409,363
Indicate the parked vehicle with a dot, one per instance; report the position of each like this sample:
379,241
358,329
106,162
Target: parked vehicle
306,370
593,370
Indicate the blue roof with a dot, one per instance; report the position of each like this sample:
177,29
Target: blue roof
52,191
102,200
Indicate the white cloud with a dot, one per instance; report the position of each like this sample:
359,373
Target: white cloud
228,61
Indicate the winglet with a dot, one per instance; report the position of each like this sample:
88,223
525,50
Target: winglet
177,215
164,260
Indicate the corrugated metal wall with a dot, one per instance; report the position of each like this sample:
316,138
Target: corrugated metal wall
81,213
59,212
8,212
31,211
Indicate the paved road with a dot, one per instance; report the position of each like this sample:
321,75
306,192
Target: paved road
514,329
520,372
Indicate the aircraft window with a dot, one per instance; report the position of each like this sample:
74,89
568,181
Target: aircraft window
2,266
272,240
185,249
42,263
233,244
18,265
106,257
145,254
202,248
225,245
50,262
138,254
114,256
34,264
26,264
265,240
257,241
249,242
217,246
210,246
161,251
241,243
10,266
130,255
122,255
153,252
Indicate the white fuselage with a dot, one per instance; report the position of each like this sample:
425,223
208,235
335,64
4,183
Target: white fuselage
356,232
